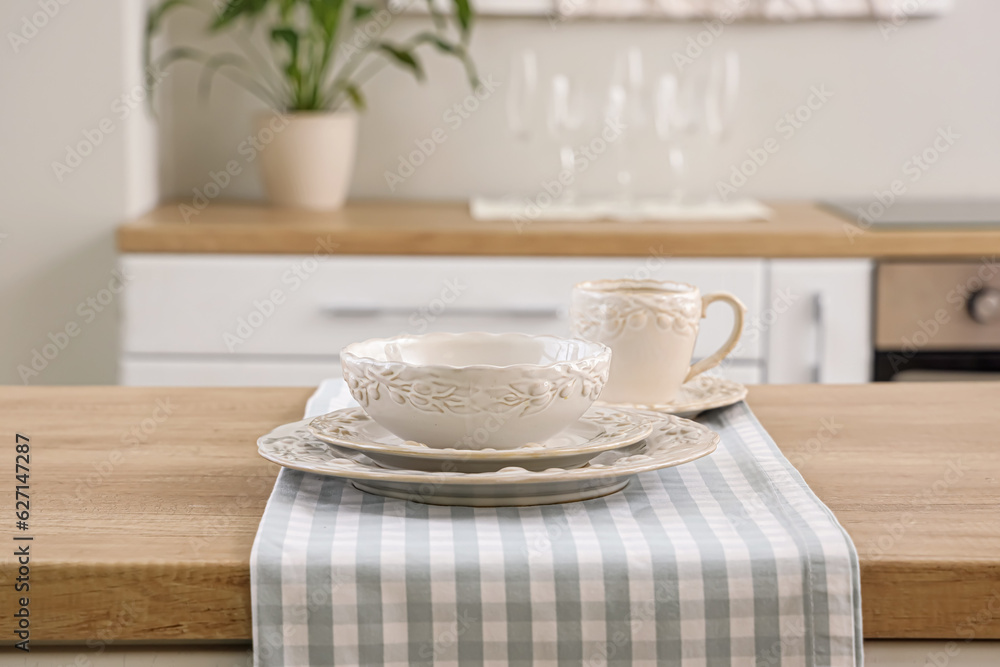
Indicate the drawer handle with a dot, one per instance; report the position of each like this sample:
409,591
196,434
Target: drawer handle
819,319
368,312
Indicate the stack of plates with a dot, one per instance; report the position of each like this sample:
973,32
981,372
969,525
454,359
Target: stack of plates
596,456
501,419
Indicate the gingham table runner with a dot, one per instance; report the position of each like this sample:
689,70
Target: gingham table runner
728,561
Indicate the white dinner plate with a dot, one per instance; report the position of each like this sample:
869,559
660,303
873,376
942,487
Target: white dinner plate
599,430
673,441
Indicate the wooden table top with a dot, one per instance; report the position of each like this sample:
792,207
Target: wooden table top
145,502
798,229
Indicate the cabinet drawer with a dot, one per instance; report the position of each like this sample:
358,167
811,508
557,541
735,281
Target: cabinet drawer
303,305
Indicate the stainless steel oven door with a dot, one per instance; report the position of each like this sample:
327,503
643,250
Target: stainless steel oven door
937,321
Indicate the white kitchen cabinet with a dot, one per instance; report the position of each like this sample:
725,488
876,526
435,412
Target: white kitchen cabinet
282,319
212,371
817,322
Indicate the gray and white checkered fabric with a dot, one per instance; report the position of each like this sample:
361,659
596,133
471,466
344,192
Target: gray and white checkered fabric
729,561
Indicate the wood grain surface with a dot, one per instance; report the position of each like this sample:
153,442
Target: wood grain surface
798,229
145,502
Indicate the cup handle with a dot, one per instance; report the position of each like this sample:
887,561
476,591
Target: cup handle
739,311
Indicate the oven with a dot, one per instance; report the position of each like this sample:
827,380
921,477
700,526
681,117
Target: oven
937,321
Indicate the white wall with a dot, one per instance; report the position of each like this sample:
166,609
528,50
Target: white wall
59,245
890,96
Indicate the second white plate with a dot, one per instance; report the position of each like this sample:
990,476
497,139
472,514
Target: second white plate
600,429
674,441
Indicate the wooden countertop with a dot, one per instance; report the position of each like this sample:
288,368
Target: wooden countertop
798,229
145,502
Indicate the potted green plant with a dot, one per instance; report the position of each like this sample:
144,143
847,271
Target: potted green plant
309,60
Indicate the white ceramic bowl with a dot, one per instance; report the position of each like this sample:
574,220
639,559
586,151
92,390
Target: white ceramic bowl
475,390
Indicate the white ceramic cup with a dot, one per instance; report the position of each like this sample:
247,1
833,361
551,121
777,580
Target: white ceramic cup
651,327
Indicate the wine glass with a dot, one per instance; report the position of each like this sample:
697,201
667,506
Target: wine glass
721,95
627,108
565,118
522,94
675,119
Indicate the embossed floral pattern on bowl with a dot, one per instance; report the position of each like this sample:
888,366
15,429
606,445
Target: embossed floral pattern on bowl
475,390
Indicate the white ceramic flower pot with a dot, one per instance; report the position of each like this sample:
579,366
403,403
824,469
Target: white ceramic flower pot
306,159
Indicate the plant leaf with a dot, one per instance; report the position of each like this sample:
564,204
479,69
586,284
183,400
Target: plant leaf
450,48
463,11
156,13
357,99
154,19
290,38
233,9
165,61
229,12
212,65
403,57
304,35
439,42
436,15
326,14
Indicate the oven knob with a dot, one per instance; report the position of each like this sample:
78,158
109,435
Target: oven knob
984,305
